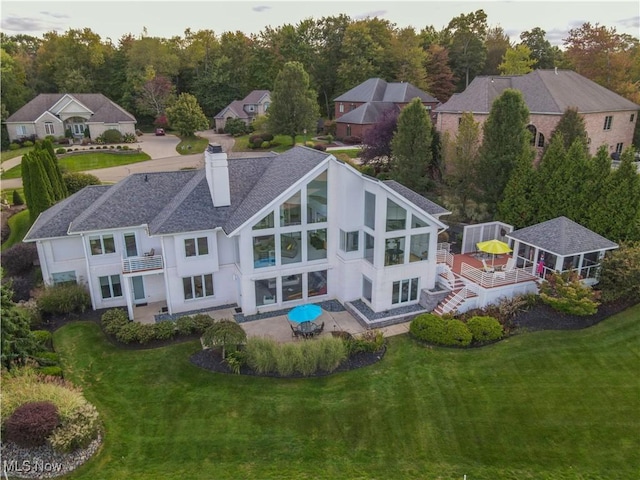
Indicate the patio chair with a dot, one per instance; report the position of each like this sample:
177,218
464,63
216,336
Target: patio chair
510,266
486,267
295,332
319,330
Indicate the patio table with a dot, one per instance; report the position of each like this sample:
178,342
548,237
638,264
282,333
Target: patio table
307,328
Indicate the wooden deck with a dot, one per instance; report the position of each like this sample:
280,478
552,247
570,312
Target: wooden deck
469,267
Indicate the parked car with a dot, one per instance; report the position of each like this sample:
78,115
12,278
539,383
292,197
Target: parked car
159,131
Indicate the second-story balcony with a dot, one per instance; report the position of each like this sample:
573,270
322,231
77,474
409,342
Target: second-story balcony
146,263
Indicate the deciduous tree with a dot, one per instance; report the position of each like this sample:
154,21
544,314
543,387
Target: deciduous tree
497,43
440,80
467,50
517,61
376,142
293,103
541,50
186,116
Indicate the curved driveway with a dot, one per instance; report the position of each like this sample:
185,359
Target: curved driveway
164,157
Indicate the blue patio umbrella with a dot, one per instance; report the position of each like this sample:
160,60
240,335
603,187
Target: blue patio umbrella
305,313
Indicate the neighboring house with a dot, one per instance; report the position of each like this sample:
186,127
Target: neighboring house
255,104
609,118
262,234
55,113
359,108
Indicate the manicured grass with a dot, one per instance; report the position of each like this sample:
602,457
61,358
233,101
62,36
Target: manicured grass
87,161
280,143
19,225
191,145
553,405
9,154
349,152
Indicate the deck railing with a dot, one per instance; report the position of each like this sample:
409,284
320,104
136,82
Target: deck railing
142,264
495,279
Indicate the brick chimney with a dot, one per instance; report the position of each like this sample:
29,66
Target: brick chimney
217,171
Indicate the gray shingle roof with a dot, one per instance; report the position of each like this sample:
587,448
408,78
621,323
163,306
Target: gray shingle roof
544,91
55,221
104,110
236,107
563,237
176,202
418,200
377,90
255,96
368,113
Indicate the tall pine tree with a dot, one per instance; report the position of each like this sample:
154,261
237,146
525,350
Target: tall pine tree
411,147
571,125
40,189
519,204
505,142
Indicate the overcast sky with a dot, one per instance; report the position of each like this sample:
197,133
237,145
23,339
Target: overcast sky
166,19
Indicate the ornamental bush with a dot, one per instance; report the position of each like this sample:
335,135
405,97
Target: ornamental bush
19,258
76,430
128,332
50,371
164,330
201,322
17,199
63,299
428,327
112,136
42,339
566,293
76,181
456,333
31,423
113,320
185,325
484,329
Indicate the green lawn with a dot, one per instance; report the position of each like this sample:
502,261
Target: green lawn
553,405
19,225
280,143
87,161
191,145
9,154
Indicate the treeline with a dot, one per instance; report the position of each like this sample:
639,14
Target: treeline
144,74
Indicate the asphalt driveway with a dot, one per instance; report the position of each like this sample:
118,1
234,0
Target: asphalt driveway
162,151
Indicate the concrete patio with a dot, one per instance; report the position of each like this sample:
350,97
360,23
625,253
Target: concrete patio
278,327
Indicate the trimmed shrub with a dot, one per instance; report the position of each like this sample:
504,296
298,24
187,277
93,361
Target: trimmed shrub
255,138
27,143
113,320
164,330
60,151
51,371
484,329
19,258
352,140
42,339
47,359
201,322
17,199
456,333
146,332
265,144
428,327
128,332
14,146
76,181
31,424
112,136
368,341
21,287
267,137
319,146
185,325
63,299
77,430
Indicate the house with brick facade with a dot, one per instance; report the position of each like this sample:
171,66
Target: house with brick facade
608,117
359,108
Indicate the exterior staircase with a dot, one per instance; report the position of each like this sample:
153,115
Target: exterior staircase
458,295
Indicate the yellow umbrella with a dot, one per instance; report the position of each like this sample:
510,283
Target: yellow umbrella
495,247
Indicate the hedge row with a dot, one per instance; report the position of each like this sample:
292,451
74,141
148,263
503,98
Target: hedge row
453,332
116,322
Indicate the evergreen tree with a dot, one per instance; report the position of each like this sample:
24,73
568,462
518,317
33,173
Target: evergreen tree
293,108
50,164
571,125
26,179
16,341
411,147
599,172
462,160
617,214
40,187
518,207
550,190
505,142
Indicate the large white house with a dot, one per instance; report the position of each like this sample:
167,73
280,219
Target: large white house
261,233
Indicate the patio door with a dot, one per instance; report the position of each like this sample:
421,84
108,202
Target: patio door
138,290
130,245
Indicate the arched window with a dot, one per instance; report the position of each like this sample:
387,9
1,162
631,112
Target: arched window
540,140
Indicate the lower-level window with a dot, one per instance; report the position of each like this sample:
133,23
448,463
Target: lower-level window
198,286
405,291
367,289
64,278
110,286
266,292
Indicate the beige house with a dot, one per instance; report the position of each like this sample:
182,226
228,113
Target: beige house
55,113
255,104
609,118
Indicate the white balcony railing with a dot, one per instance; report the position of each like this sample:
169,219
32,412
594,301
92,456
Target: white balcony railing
495,279
142,264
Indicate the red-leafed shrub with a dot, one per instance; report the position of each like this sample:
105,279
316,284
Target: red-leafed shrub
319,146
352,140
31,423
